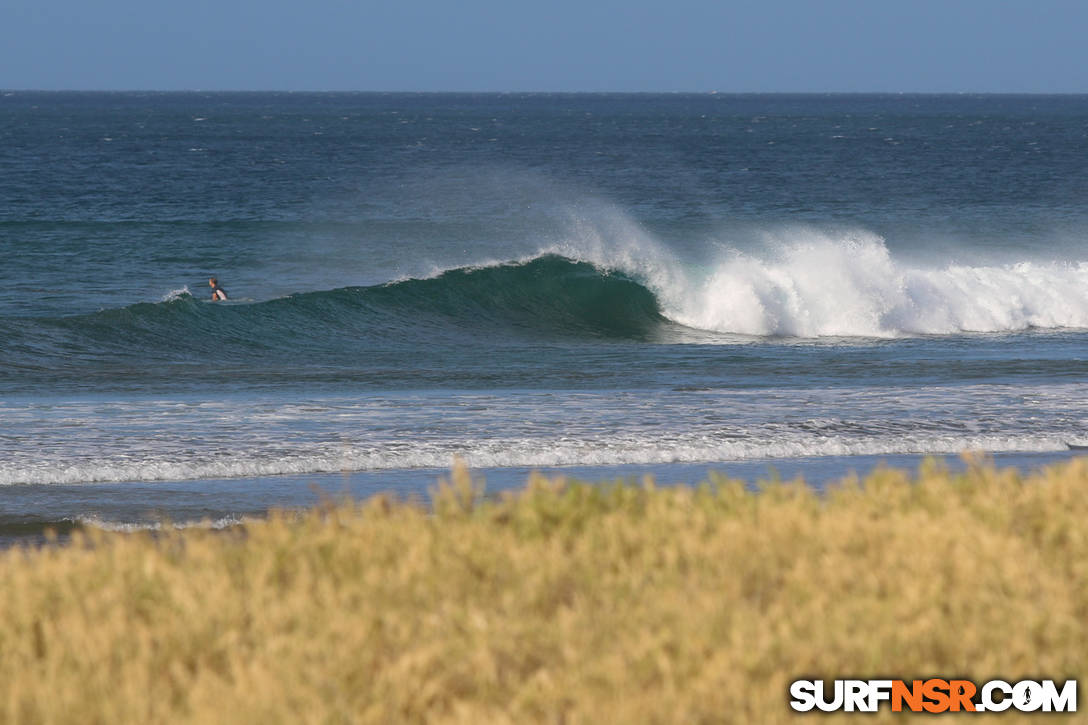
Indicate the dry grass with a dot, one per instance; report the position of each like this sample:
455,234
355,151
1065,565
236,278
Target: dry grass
563,603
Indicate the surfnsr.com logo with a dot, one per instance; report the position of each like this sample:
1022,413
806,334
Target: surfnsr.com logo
933,696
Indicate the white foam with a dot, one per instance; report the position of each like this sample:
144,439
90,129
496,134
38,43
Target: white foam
177,294
528,453
103,440
810,283
134,526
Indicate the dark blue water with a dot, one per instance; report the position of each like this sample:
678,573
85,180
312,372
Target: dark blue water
575,282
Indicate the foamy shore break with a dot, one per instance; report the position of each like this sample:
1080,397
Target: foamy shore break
563,602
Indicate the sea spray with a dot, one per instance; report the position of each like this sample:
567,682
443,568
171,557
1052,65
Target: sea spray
177,294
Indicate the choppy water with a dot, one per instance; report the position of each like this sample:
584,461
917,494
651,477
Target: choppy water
673,283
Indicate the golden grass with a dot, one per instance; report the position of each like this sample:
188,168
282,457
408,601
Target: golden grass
563,603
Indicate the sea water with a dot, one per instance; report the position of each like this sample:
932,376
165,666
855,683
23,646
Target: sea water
602,285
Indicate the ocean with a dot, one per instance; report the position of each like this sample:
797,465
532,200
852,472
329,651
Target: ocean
602,286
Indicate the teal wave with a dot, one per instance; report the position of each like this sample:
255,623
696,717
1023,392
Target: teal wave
547,297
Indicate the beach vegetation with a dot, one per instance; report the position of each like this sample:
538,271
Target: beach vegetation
563,602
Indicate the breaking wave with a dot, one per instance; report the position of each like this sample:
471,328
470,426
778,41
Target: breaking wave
813,285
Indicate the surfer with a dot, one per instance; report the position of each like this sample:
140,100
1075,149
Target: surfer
218,293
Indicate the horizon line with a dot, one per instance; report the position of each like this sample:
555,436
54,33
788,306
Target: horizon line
9,91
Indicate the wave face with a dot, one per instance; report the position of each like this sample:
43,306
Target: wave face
546,296
549,293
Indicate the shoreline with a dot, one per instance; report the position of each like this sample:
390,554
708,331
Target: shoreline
32,509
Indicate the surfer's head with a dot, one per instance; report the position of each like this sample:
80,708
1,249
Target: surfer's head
213,282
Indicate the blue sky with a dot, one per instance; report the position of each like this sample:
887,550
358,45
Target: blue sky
558,45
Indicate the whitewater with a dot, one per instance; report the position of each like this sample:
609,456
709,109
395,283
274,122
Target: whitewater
809,283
